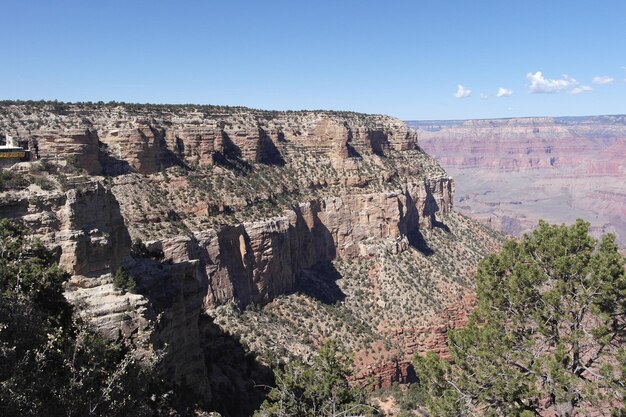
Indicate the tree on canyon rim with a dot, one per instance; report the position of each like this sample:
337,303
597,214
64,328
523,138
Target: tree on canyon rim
320,389
51,362
547,334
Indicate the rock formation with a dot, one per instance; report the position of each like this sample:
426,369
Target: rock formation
229,209
512,172
79,145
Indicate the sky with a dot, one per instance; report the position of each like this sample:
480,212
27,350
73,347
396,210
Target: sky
446,59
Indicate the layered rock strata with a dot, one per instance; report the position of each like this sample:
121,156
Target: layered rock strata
235,207
512,172
397,365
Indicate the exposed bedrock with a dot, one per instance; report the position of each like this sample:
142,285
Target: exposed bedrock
291,191
80,145
432,337
247,263
92,234
196,144
586,146
83,224
257,261
105,144
86,229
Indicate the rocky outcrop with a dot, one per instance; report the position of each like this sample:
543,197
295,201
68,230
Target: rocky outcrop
257,261
118,141
529,144
92,235
78,145
141,149
396,366
196,144
84,224
235,207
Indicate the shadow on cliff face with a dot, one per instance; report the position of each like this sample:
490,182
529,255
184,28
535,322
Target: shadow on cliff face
268,153
411,375
441,225
231,158
236,261
431,207
352,152
410,226
320,282
417,241
299,260
111,166
165,158
201,362
378,141
239,382
316,276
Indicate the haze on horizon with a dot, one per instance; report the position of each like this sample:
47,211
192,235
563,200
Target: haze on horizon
428,61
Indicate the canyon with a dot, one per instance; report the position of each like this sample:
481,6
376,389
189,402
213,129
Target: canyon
510,173
252,236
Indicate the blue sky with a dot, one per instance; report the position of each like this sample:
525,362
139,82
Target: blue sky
404,58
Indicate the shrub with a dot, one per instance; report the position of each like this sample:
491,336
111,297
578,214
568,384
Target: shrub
12,181
139,249
122,280
321,389
52,363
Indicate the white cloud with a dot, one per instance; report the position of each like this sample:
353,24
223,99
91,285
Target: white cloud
483,96
581,89
462,92
504,92
603,80
541,85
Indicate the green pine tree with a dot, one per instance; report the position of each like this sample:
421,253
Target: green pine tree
52,363
318,390
547,334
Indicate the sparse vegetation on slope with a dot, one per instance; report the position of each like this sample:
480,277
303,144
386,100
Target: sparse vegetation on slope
387,303
238,240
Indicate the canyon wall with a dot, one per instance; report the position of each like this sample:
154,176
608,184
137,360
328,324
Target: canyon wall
209,209
512,172
256,261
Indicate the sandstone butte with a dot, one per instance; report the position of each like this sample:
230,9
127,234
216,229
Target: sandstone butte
264,232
